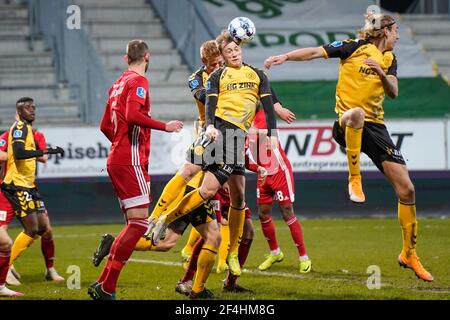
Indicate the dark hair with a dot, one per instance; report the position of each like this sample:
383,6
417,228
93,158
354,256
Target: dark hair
23,100
136,50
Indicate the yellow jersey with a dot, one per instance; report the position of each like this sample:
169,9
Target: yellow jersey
21,172
238,92
358,85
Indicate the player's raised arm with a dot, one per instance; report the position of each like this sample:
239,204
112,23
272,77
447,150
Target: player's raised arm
296,55
284,113
212,92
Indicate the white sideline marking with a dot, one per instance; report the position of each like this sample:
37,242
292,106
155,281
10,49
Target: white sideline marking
257,272
295,276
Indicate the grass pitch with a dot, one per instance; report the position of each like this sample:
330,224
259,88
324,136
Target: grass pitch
341,251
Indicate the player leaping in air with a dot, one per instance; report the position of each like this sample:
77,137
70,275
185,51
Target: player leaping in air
368,72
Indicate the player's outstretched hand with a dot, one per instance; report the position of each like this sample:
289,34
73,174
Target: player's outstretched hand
212,132
276,60
55,150
174,126
262,174
286,115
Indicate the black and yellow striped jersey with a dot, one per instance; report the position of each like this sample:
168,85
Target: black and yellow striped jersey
21,172
197,83
238,91
358,85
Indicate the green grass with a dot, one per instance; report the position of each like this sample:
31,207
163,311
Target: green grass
341,251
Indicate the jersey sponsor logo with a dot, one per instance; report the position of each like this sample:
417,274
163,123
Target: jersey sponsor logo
2,142
17,133
193,84
140,92
336,44
208,85
241,85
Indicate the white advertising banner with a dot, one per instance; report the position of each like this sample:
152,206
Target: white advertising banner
282,26
309,146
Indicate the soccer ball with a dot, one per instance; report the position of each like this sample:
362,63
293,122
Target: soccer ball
242,29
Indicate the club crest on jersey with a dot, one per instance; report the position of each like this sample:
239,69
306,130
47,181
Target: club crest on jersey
140,92
194,84
2,142
17,133
208,85
336,44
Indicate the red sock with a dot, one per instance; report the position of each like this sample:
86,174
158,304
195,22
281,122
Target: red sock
119,254
244,249
107,265
4,266
297,235
268,229
192,267
48,251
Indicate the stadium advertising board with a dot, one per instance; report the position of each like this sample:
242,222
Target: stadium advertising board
309,146
282,26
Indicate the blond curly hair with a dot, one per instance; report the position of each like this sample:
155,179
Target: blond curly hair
374,25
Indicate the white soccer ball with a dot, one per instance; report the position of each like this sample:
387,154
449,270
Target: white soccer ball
242,29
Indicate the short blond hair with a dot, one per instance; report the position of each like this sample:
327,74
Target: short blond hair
209,50
136,50
374,25
223,39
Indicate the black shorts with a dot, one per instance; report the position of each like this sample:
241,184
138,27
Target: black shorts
25,201
203,214
228,157
376,143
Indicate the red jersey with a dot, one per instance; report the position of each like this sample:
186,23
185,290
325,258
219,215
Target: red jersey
258,155
130,143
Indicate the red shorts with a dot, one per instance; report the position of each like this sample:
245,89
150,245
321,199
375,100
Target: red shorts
221,204
131,184
6,210
279,186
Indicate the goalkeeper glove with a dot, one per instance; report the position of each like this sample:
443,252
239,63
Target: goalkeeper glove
55,150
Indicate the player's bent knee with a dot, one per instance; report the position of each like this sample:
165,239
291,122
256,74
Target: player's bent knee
407,193
188,171
249,232
5,244
47,235
42,231
213,238
207,193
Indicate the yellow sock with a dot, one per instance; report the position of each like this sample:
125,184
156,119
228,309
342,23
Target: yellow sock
236,219
175,187
408,222
193,237
144,244
22,242
223,249
205,263
353,139
190,202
